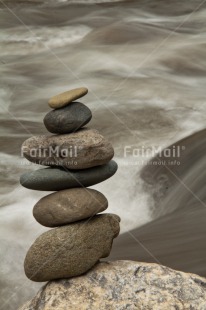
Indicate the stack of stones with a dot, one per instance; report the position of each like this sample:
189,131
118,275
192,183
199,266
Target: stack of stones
77,158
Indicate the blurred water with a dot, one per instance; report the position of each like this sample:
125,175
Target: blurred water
144,64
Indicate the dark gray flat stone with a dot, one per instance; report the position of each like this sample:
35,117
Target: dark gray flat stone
67,119
55,179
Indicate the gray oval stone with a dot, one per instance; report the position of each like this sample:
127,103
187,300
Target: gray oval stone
56,179
83,149
67,206
71,250
67,119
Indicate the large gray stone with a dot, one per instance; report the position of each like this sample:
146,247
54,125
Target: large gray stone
83,149
67,119
67,206
71,250
122,285
56,179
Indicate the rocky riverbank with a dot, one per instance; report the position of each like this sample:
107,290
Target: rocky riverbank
122,285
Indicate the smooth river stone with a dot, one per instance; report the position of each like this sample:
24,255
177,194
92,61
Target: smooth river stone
67,206
56,179
63,99
71,250
83,149
67,119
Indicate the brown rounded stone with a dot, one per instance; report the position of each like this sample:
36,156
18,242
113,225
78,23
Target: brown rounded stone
71,250
63,99
83,149
69,206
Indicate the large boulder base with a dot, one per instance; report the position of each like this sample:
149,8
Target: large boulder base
124,285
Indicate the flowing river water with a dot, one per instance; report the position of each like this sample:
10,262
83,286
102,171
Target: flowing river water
144,64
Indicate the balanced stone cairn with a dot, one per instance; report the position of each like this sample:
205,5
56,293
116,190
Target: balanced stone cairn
77,157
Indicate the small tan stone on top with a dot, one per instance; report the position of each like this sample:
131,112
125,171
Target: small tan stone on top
63,99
